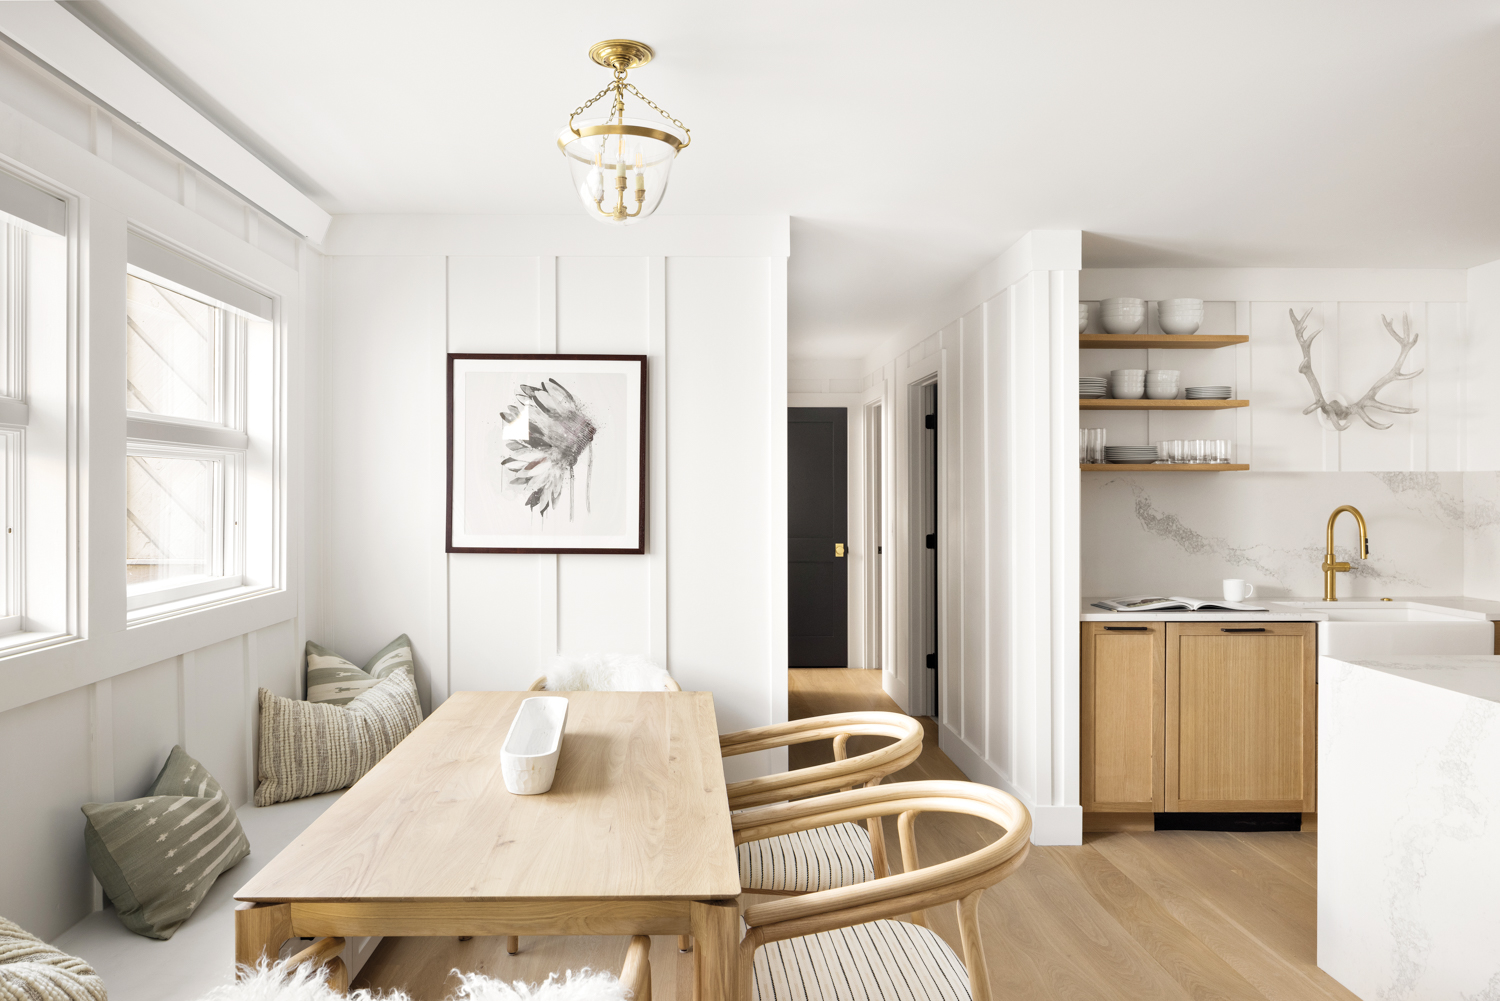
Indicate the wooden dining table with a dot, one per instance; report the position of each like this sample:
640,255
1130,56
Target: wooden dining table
633,838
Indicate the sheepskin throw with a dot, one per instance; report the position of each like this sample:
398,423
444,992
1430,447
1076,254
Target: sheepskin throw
309,747
31,970
308,983
333,680
156,857
606,672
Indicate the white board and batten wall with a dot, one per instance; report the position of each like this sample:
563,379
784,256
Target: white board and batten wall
91,713
705,300
1004,351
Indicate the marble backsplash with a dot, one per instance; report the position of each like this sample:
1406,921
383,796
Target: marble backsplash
1183,533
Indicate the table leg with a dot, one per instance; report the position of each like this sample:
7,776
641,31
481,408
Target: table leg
715,927
259,931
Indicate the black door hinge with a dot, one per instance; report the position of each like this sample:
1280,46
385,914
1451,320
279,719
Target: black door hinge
932,662
930,422
932,540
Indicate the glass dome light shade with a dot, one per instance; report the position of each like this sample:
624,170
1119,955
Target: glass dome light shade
644,149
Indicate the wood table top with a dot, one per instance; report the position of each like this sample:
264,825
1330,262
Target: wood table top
638,810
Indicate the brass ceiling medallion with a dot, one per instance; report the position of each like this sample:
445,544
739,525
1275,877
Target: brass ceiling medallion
637,153
619,52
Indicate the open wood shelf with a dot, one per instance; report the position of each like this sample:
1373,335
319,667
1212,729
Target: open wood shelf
1161,404
1163,467
1160,340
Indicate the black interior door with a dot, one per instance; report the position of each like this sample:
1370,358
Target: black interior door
817,517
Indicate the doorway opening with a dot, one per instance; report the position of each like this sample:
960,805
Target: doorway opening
817,523
923,540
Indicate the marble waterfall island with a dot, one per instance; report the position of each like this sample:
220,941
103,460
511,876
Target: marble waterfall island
1409,827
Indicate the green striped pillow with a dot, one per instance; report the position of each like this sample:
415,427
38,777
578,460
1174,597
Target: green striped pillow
157,856
336,681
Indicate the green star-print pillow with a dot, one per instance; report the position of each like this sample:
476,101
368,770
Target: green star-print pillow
336,681
157,856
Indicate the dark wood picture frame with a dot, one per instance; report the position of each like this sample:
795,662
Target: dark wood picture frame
644,470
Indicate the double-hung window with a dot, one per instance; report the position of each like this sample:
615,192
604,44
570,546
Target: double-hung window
188,361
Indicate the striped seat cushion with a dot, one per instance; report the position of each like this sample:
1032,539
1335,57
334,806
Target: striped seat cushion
819,859
879,961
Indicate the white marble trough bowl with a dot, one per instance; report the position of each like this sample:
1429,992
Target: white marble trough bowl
528,759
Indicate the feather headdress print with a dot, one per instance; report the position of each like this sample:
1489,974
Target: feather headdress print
545,450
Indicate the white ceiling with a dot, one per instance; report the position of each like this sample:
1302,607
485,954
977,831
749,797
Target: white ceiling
910,143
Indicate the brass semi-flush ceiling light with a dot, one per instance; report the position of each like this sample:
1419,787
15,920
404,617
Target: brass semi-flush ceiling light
620,165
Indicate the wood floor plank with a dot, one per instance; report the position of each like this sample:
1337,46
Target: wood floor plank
1203,913
1196,968
1294,851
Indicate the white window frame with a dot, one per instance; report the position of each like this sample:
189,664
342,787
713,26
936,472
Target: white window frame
223,440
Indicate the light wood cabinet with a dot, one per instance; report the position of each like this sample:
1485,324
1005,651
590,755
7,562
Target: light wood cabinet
1241,717
1122,713
1205,717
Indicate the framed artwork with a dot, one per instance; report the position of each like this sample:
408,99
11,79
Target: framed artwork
546,453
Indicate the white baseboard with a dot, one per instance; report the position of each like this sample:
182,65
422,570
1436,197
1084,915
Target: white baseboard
1050,825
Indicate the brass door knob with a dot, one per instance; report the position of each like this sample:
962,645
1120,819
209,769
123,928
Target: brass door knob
838,550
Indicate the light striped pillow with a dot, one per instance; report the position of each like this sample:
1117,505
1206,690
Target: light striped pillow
336,681
307,748
156,857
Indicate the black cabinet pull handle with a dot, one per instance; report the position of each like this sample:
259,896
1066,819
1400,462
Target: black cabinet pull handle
1128,629
1256,629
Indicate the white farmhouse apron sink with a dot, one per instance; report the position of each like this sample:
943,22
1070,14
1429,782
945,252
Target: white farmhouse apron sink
1373,630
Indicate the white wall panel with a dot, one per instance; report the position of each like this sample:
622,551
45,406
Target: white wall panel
492,304
386,419
719,436
603,604
146,725
493,611
963,708
277,661
44,773
601,305
214,713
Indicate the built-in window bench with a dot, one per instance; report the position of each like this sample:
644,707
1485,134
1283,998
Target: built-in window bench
201,955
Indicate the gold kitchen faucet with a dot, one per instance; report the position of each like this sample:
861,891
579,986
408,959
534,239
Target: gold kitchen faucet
1331,566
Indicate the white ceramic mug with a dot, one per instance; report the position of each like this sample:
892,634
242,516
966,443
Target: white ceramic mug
1238,590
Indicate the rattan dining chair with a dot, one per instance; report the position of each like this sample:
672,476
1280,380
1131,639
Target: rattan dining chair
849,943
820,858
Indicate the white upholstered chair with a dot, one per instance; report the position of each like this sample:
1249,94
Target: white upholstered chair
851,943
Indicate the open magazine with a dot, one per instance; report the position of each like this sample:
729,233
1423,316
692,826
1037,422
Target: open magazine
1146,603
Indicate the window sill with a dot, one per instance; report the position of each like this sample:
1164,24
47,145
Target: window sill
160,592
23,641
165,609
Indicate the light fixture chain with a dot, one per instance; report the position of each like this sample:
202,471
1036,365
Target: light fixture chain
659,110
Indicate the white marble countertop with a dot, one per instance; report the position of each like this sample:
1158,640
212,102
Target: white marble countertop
1475,676
1278,610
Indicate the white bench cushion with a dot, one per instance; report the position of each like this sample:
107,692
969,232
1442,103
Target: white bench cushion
820,859
882,960
201,955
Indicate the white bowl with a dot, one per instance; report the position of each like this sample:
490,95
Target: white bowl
1122,324
1167,392
1179,305
528,758
1179,325
1083,316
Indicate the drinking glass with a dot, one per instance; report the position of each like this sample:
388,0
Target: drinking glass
1222,451
1200,451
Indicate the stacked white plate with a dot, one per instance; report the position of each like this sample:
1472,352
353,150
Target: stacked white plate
1092,387
1208,392
1130,453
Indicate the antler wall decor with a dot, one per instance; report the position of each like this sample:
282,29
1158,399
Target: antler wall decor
1342,414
